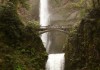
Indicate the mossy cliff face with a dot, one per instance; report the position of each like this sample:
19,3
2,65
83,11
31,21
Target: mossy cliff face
83,45
32,12
20,47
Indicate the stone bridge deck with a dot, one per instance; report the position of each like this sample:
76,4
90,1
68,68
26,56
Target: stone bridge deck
44,29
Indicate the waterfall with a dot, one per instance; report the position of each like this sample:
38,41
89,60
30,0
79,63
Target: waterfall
44,19
55,61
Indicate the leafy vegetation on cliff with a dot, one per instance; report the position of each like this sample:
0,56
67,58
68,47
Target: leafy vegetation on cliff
20,47
83,44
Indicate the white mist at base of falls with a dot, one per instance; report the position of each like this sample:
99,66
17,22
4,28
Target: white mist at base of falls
55,62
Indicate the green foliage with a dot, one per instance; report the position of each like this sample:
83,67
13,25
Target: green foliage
82,49
81,6
16,3
96,3
24,3
33,24
78,4
20,46
18,67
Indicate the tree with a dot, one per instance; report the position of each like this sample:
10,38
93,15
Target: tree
16,3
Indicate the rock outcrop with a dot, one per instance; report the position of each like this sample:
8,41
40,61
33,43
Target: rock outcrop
20,47
82,49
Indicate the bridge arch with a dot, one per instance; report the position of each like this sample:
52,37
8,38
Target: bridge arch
50,30
60,28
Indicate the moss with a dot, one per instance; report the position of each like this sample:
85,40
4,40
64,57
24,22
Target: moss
82,49
20,47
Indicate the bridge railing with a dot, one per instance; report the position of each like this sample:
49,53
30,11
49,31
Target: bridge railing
61,28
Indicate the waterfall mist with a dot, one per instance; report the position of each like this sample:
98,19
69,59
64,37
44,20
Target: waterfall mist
55,62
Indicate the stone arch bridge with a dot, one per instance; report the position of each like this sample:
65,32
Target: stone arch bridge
49,28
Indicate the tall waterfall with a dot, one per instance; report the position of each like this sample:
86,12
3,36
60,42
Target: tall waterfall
55,61
44,18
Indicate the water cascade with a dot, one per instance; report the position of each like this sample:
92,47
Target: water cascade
55,61
44,18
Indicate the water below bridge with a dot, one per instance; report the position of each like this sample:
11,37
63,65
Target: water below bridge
52,43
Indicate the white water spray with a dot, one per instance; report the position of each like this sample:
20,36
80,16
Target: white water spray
55,62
